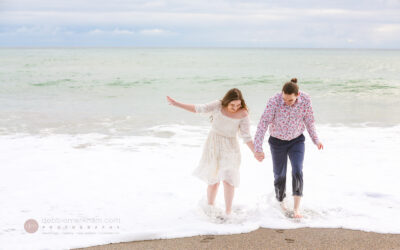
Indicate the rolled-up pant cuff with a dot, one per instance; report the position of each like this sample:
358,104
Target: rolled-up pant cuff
280,199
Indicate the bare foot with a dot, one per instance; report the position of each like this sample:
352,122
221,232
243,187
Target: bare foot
226,217
283,206
296,214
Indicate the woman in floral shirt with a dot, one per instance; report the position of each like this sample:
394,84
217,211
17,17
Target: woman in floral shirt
287,114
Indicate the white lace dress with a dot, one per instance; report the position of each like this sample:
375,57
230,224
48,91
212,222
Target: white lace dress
221,153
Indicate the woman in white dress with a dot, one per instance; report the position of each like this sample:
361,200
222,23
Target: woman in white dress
221,156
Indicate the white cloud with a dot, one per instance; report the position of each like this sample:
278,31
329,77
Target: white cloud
193,5
116,31
388,28
154,32
386,32
96,32
122,32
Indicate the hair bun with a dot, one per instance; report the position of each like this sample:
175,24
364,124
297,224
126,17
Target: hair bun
294,80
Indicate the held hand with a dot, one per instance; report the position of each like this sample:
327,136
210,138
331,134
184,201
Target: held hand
320,146
171,101
259,156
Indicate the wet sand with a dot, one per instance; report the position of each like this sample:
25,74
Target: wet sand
262,238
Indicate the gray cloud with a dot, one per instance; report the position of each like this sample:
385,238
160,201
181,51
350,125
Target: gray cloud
208,23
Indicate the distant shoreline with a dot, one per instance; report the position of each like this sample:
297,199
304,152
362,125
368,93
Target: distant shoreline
188,47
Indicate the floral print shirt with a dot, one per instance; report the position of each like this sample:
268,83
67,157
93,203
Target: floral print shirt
286,122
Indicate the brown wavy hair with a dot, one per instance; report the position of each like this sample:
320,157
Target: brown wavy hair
233,95
291,87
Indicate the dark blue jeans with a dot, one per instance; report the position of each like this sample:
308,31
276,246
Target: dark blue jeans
280,150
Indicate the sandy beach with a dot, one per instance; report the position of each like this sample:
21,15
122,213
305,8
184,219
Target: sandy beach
303,238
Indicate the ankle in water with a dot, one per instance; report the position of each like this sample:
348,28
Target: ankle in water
283,205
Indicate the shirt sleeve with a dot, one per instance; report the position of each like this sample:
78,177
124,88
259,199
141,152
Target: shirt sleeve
244,129
309,122
266,118
207,107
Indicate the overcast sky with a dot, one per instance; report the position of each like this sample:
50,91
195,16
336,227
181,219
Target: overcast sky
201,23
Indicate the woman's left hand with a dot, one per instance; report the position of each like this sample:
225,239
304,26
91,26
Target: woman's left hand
320,146
171,101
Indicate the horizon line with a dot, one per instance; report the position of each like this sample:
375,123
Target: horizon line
188,47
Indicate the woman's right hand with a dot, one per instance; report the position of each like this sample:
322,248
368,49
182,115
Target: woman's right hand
259,156
171,101
188,107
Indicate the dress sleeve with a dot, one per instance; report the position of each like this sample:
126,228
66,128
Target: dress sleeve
207,107
244,129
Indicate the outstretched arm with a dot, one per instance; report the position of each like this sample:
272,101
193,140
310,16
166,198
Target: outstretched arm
188,107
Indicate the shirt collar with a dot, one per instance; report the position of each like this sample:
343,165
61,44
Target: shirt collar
298,100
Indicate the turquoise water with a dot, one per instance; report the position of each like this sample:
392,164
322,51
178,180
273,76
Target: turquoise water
121,90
